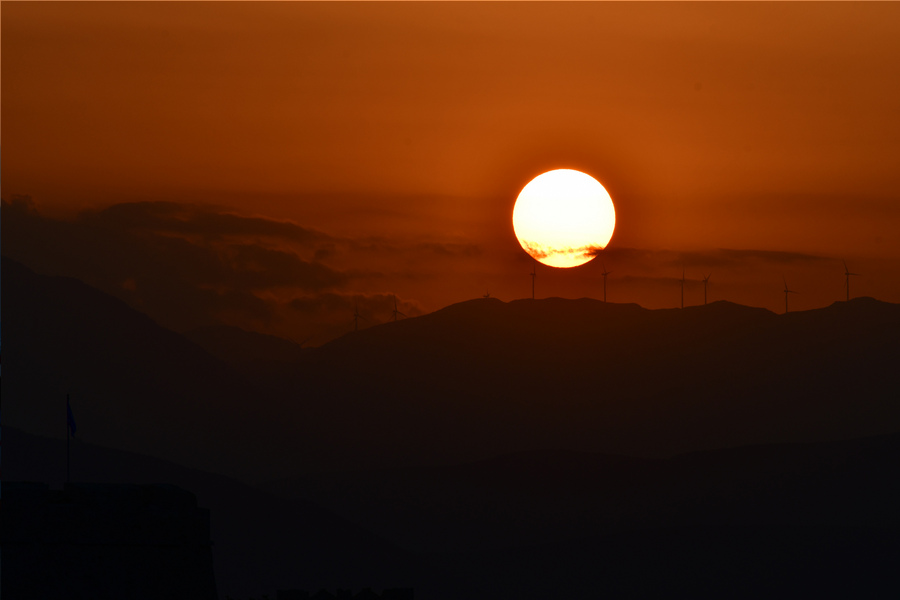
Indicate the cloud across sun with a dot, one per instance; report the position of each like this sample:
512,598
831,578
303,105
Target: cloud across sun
563,218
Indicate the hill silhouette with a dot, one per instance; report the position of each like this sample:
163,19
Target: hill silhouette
777,520
490,436
474,380
250,352
546,497
135,385
486,377
260,542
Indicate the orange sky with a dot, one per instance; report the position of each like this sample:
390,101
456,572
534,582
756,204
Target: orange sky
403,133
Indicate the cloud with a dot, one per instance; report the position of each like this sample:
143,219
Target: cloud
183,265
189,266
202,220
720,257
541,251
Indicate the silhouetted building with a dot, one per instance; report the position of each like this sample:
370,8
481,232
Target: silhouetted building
105,541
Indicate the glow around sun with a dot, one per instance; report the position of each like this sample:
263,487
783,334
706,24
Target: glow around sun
563,218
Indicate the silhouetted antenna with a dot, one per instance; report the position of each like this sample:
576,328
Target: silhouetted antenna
786,292
604,273
682,287
396,312
533,277
848,274
705,284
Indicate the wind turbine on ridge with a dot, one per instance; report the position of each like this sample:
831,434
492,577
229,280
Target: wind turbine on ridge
847,274
533,277
396,312
682,286
786,292
357,317
300,343
604,273
705,283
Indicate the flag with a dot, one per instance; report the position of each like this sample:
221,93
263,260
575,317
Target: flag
70,418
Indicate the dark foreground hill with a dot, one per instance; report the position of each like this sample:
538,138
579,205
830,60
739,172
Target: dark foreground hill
813,520
782,521
474,380
134,384
484,377
548,497
260,542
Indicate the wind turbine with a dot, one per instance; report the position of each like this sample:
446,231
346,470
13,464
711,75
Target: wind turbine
682,287
300,343
533,276
357,317
705,284
396,312
786,292
487,295
604,273
847,274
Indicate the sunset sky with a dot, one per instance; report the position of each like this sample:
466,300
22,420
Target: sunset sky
270,165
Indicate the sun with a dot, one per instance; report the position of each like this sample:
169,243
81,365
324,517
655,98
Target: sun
563,218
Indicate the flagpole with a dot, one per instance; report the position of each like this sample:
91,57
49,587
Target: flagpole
67,438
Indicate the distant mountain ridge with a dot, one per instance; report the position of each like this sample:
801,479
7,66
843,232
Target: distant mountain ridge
134,384
473,380
585,375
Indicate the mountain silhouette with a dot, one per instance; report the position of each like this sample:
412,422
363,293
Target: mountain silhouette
485,377
545,497
476,379
550,448
134,384
249,352
260,542
755,521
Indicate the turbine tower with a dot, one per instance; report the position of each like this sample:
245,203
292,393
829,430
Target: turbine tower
682,287
533,276
847,274
705,284
786,292
300,344
396,312
357,317
604,273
